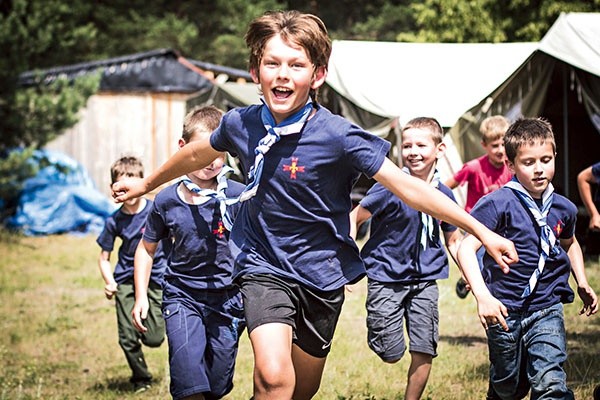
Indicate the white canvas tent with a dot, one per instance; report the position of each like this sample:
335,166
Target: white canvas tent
560,81
377,82
407,80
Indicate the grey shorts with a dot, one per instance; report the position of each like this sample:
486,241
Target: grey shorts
389,305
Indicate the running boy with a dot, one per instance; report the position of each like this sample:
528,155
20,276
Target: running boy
127,223
522,310
201,306
404,257
291,239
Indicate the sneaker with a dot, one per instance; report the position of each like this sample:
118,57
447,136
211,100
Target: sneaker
597,393
141,387
461,288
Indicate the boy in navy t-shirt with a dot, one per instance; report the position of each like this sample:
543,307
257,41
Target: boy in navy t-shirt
404,257
201,306
127,223
291,239
522,309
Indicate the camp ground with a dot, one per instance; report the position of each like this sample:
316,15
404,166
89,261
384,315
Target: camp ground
379,85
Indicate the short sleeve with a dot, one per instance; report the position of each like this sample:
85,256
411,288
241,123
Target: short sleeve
367,151
106,239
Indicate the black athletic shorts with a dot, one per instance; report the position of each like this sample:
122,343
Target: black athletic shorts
312,314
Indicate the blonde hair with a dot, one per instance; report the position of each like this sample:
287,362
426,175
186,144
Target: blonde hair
129,166
430,124
201,119
305,30
493,128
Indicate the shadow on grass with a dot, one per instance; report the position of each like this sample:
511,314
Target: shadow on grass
583,362
582,366
464,340
116,385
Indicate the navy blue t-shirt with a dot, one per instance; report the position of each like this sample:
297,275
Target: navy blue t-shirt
394,252
297,226
130,228
200,257
502,212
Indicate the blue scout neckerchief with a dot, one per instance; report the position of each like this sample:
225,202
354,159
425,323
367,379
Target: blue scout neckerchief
426,219
292,124
218,194
547,238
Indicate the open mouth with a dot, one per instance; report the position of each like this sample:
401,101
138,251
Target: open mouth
282,93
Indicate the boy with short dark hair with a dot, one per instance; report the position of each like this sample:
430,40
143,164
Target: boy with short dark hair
127,223
201,306
404,258
522,309
291,239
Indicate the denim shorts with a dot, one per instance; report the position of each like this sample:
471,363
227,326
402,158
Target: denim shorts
530,355
389,305
203,328
312,314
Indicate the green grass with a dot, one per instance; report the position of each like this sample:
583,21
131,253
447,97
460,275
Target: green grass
59,337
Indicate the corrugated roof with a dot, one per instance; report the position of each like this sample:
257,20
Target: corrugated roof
162,70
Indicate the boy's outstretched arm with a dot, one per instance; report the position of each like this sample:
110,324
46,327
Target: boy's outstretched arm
191,157
584,290
585,179
490,310
423,197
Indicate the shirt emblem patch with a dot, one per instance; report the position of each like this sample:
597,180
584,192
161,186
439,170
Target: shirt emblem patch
558,228
293,168
220,231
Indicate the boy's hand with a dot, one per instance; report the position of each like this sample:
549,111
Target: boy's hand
491,311
590,300
501,249
110,290
128,188
140,313
595,223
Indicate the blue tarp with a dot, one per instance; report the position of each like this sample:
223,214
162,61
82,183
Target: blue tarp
61,198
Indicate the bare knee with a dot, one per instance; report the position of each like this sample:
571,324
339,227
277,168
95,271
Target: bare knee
274,379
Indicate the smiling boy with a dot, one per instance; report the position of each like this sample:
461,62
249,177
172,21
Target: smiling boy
291,239
522,310
405,257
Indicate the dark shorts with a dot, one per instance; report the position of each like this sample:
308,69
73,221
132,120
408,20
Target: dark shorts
203,328
389,305
312,314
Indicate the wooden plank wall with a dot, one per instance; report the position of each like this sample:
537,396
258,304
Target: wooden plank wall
147,125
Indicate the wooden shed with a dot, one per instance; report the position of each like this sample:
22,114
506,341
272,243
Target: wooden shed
138,110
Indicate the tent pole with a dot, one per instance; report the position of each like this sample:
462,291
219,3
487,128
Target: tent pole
565,131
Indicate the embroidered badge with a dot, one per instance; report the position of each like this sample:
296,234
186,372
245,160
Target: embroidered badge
294,168
220,231
558,228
